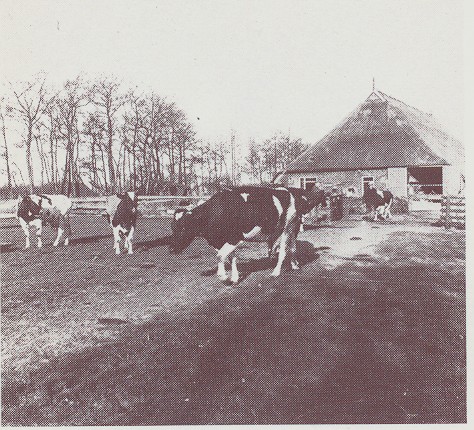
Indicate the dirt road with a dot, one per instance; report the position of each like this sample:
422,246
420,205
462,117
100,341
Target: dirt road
370,330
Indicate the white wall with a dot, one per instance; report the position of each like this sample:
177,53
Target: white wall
451,180
397,181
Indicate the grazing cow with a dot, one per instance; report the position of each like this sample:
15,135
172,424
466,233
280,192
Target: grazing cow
237,214
379,201
121,213
40,209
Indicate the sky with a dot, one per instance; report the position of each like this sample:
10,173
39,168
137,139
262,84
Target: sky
254,67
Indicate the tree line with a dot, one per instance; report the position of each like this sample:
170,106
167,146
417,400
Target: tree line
116,139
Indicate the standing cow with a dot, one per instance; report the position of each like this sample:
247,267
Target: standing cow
121,213
238,214
379,201
40,209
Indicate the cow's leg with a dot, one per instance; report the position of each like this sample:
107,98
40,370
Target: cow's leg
288,230
234,276
282,253
294,262
388,214
223,254
26,230
67,229
38,223
128,240
272,244
116,231
381,212
58,237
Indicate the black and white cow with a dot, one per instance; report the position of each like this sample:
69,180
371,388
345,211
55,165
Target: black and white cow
379,201
241,214
121,212
40,209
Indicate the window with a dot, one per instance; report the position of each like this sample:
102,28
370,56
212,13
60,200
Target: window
308,183
366,180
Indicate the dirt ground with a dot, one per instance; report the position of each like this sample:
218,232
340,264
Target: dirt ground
371,329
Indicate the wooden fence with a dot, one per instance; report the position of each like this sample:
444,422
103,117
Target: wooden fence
148,206
453,211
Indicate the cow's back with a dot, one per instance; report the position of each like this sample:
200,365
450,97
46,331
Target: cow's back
259,206
56,203
230,213
111,204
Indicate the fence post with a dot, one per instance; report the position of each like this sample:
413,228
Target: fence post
447,215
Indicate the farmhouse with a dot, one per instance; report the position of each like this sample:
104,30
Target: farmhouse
388,142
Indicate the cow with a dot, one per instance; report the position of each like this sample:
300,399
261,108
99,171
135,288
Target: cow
40,209
379,201
121,214
240,214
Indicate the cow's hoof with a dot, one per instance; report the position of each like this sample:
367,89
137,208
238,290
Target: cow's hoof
130,252
275,273
55,244
66,242
227,282
294,266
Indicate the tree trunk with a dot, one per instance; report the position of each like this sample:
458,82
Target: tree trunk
29,164
110,157
7,159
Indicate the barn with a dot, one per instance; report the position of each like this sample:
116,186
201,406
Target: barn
388,142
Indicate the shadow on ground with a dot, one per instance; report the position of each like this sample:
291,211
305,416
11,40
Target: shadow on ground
89,239
306,253
310,348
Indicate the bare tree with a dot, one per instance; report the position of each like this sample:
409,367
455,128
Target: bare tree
69,104
32,101
266,159
108,98
5,153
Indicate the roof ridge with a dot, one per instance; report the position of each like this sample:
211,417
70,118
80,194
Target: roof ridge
406,104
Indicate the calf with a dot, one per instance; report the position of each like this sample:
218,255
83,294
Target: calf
121,213
380,201
40,209
240,214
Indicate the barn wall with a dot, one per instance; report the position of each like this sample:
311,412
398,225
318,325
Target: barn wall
343,180
451,180
397,181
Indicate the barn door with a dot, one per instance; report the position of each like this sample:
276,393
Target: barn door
366,180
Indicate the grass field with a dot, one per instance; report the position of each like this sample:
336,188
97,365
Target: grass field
371,329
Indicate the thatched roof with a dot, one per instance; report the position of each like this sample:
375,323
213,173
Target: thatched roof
381,132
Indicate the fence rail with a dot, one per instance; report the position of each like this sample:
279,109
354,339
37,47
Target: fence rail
453,211
149,206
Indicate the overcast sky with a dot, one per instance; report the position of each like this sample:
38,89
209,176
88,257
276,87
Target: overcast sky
252,66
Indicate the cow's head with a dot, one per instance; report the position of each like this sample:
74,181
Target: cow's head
130,199
184,229
314,197
28,209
